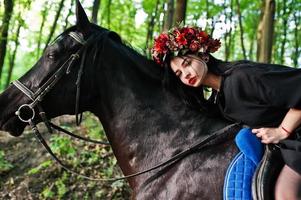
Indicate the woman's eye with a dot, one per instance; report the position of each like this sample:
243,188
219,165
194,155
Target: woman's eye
186,63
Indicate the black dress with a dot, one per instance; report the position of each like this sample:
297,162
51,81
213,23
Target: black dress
260,95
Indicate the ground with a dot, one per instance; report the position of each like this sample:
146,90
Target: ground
30,173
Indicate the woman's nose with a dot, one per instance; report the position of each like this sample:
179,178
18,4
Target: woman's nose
187,75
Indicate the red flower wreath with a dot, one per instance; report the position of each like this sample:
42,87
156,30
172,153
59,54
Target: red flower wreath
183,40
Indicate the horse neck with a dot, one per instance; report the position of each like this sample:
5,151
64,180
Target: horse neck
143,122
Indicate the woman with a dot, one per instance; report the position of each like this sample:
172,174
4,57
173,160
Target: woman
265,97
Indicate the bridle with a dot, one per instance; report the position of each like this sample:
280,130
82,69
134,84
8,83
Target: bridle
65,68
37,97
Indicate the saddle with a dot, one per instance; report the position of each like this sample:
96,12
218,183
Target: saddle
266,174
254,170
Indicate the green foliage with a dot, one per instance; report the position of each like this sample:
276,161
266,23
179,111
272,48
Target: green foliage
40,167
85,158
58,189
62,145
61,187
121,16
47,193
4,164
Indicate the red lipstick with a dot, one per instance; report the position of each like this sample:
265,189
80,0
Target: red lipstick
192,80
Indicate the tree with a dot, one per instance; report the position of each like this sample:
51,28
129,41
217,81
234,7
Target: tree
265,32
180,13
169,14
58,13
228,34
285,15
151,25
109,13
12,57
297,36
69,14
8,10
44,14
241,30
96,5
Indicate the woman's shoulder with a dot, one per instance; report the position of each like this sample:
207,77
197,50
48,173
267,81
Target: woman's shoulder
245,67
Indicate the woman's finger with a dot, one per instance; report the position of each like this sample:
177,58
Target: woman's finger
254,130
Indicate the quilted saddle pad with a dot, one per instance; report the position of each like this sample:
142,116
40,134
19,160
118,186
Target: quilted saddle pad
238,180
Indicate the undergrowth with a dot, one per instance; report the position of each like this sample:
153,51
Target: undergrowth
89,159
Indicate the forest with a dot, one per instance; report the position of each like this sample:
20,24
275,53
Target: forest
264,31
259,30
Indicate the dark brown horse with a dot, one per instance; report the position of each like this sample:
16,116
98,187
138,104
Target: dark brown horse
145,123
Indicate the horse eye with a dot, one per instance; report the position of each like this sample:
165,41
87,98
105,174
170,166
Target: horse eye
50,56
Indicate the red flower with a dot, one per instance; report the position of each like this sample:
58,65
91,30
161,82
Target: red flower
188,30
189,33
181,40
203,36
161,43
194,46
213,45
176,32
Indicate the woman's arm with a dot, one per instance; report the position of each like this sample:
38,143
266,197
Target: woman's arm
273,135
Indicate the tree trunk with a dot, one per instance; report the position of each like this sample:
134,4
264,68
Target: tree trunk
241,30
297,36
228,35
168,22
150,29
286,13
96,5
267,30
13,56
58,13
251,50
161,11
180,13
8,10
208,16
44,16
259,31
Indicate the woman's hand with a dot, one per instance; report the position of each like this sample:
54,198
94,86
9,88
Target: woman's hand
270,135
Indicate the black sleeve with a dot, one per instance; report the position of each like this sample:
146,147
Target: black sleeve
281,88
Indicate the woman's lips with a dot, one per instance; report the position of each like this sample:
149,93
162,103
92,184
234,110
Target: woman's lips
192,80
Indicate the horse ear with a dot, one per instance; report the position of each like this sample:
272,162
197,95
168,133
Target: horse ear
82,21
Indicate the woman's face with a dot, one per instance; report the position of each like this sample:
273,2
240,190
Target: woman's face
190,69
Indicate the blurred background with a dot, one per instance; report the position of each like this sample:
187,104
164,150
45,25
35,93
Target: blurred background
258,30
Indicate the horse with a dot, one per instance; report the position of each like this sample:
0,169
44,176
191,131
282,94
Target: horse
144,122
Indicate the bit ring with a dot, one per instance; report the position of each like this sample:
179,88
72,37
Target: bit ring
25,107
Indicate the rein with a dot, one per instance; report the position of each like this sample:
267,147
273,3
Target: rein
65,68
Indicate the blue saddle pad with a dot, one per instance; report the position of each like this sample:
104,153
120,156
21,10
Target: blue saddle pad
238,180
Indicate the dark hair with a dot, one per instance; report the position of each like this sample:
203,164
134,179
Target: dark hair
194,96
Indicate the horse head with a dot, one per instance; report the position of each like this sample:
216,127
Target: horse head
61,98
